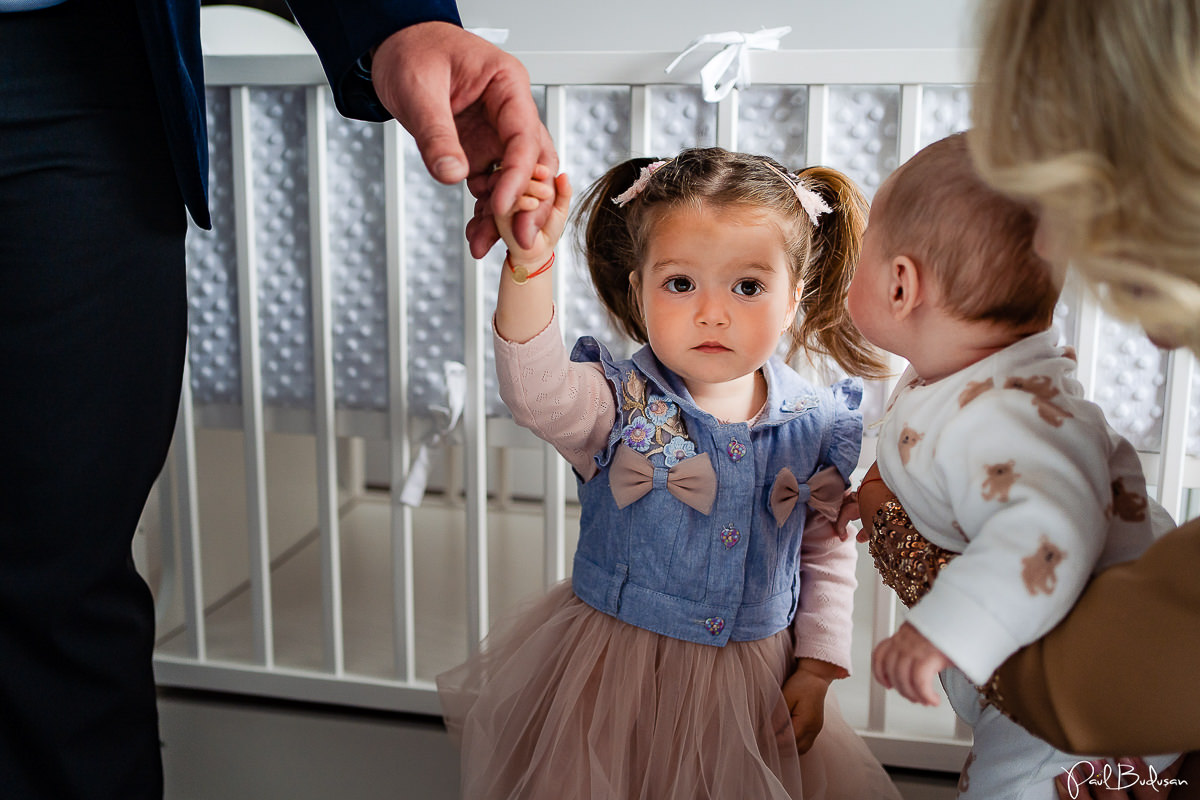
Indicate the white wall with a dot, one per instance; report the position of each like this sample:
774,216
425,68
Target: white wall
671,24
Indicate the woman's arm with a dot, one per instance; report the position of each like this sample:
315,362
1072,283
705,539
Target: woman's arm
1119,675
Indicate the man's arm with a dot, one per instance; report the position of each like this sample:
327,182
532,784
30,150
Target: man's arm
467,103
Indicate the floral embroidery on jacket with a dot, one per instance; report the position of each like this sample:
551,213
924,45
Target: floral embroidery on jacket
799,404
653,424
677,450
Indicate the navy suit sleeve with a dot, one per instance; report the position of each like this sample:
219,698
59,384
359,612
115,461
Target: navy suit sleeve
343,31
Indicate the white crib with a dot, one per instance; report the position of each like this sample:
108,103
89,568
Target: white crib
284,563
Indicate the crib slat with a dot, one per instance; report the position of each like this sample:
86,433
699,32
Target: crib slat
188,521
727,121
1173,458
1087,338
883,622
323,406
640,108
817,129
399,450
910,121
554,474
475,442
251,376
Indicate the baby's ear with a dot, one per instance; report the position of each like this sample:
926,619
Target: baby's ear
905,285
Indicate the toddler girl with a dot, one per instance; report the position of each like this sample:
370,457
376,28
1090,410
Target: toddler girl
691,652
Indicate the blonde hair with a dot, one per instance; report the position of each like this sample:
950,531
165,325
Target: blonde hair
1092,110
975,242
822,258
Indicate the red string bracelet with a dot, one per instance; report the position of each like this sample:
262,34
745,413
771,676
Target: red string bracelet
521,275
870,480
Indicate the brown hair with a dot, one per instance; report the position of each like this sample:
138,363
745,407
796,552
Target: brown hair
822,258
976,242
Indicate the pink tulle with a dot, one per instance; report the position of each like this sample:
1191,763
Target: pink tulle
567,702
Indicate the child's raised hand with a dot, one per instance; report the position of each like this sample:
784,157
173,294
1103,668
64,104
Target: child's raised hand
909,663
541,189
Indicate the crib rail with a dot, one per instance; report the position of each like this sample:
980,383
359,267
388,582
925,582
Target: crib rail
191,662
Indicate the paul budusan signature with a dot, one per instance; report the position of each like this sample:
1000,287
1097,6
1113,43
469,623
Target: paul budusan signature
1113,776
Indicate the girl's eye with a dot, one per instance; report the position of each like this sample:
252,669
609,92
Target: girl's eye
679,285
748,288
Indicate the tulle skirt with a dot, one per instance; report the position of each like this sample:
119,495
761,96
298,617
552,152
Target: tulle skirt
564,701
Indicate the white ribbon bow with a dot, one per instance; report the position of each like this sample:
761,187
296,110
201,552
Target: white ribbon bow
456,400
720,75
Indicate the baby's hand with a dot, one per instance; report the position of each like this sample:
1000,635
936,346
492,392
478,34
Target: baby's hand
540,190
909,663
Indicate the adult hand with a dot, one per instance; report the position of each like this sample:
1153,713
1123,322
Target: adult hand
1127,779
468,105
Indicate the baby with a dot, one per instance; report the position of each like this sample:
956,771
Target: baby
1017,487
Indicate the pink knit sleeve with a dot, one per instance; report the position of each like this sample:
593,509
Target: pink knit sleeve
569,405
823,623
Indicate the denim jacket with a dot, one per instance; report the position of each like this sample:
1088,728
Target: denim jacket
730,574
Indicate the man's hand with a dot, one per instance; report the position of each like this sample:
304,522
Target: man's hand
468,105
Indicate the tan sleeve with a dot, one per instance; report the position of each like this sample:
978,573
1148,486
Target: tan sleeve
1120,675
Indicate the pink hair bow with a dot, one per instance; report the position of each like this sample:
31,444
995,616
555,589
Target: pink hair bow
639,183
813,204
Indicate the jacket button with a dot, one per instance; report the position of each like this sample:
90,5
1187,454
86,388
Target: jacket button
736,450
730,536
715,625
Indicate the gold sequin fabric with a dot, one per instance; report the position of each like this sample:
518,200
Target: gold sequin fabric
990,694
907,562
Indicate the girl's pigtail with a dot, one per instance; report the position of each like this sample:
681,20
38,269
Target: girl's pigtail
825,326
607,242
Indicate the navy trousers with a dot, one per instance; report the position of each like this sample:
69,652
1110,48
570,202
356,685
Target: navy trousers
93,322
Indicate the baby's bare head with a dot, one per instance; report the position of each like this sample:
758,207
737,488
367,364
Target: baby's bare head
977,244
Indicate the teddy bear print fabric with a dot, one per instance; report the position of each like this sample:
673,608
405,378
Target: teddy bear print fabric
1007,465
